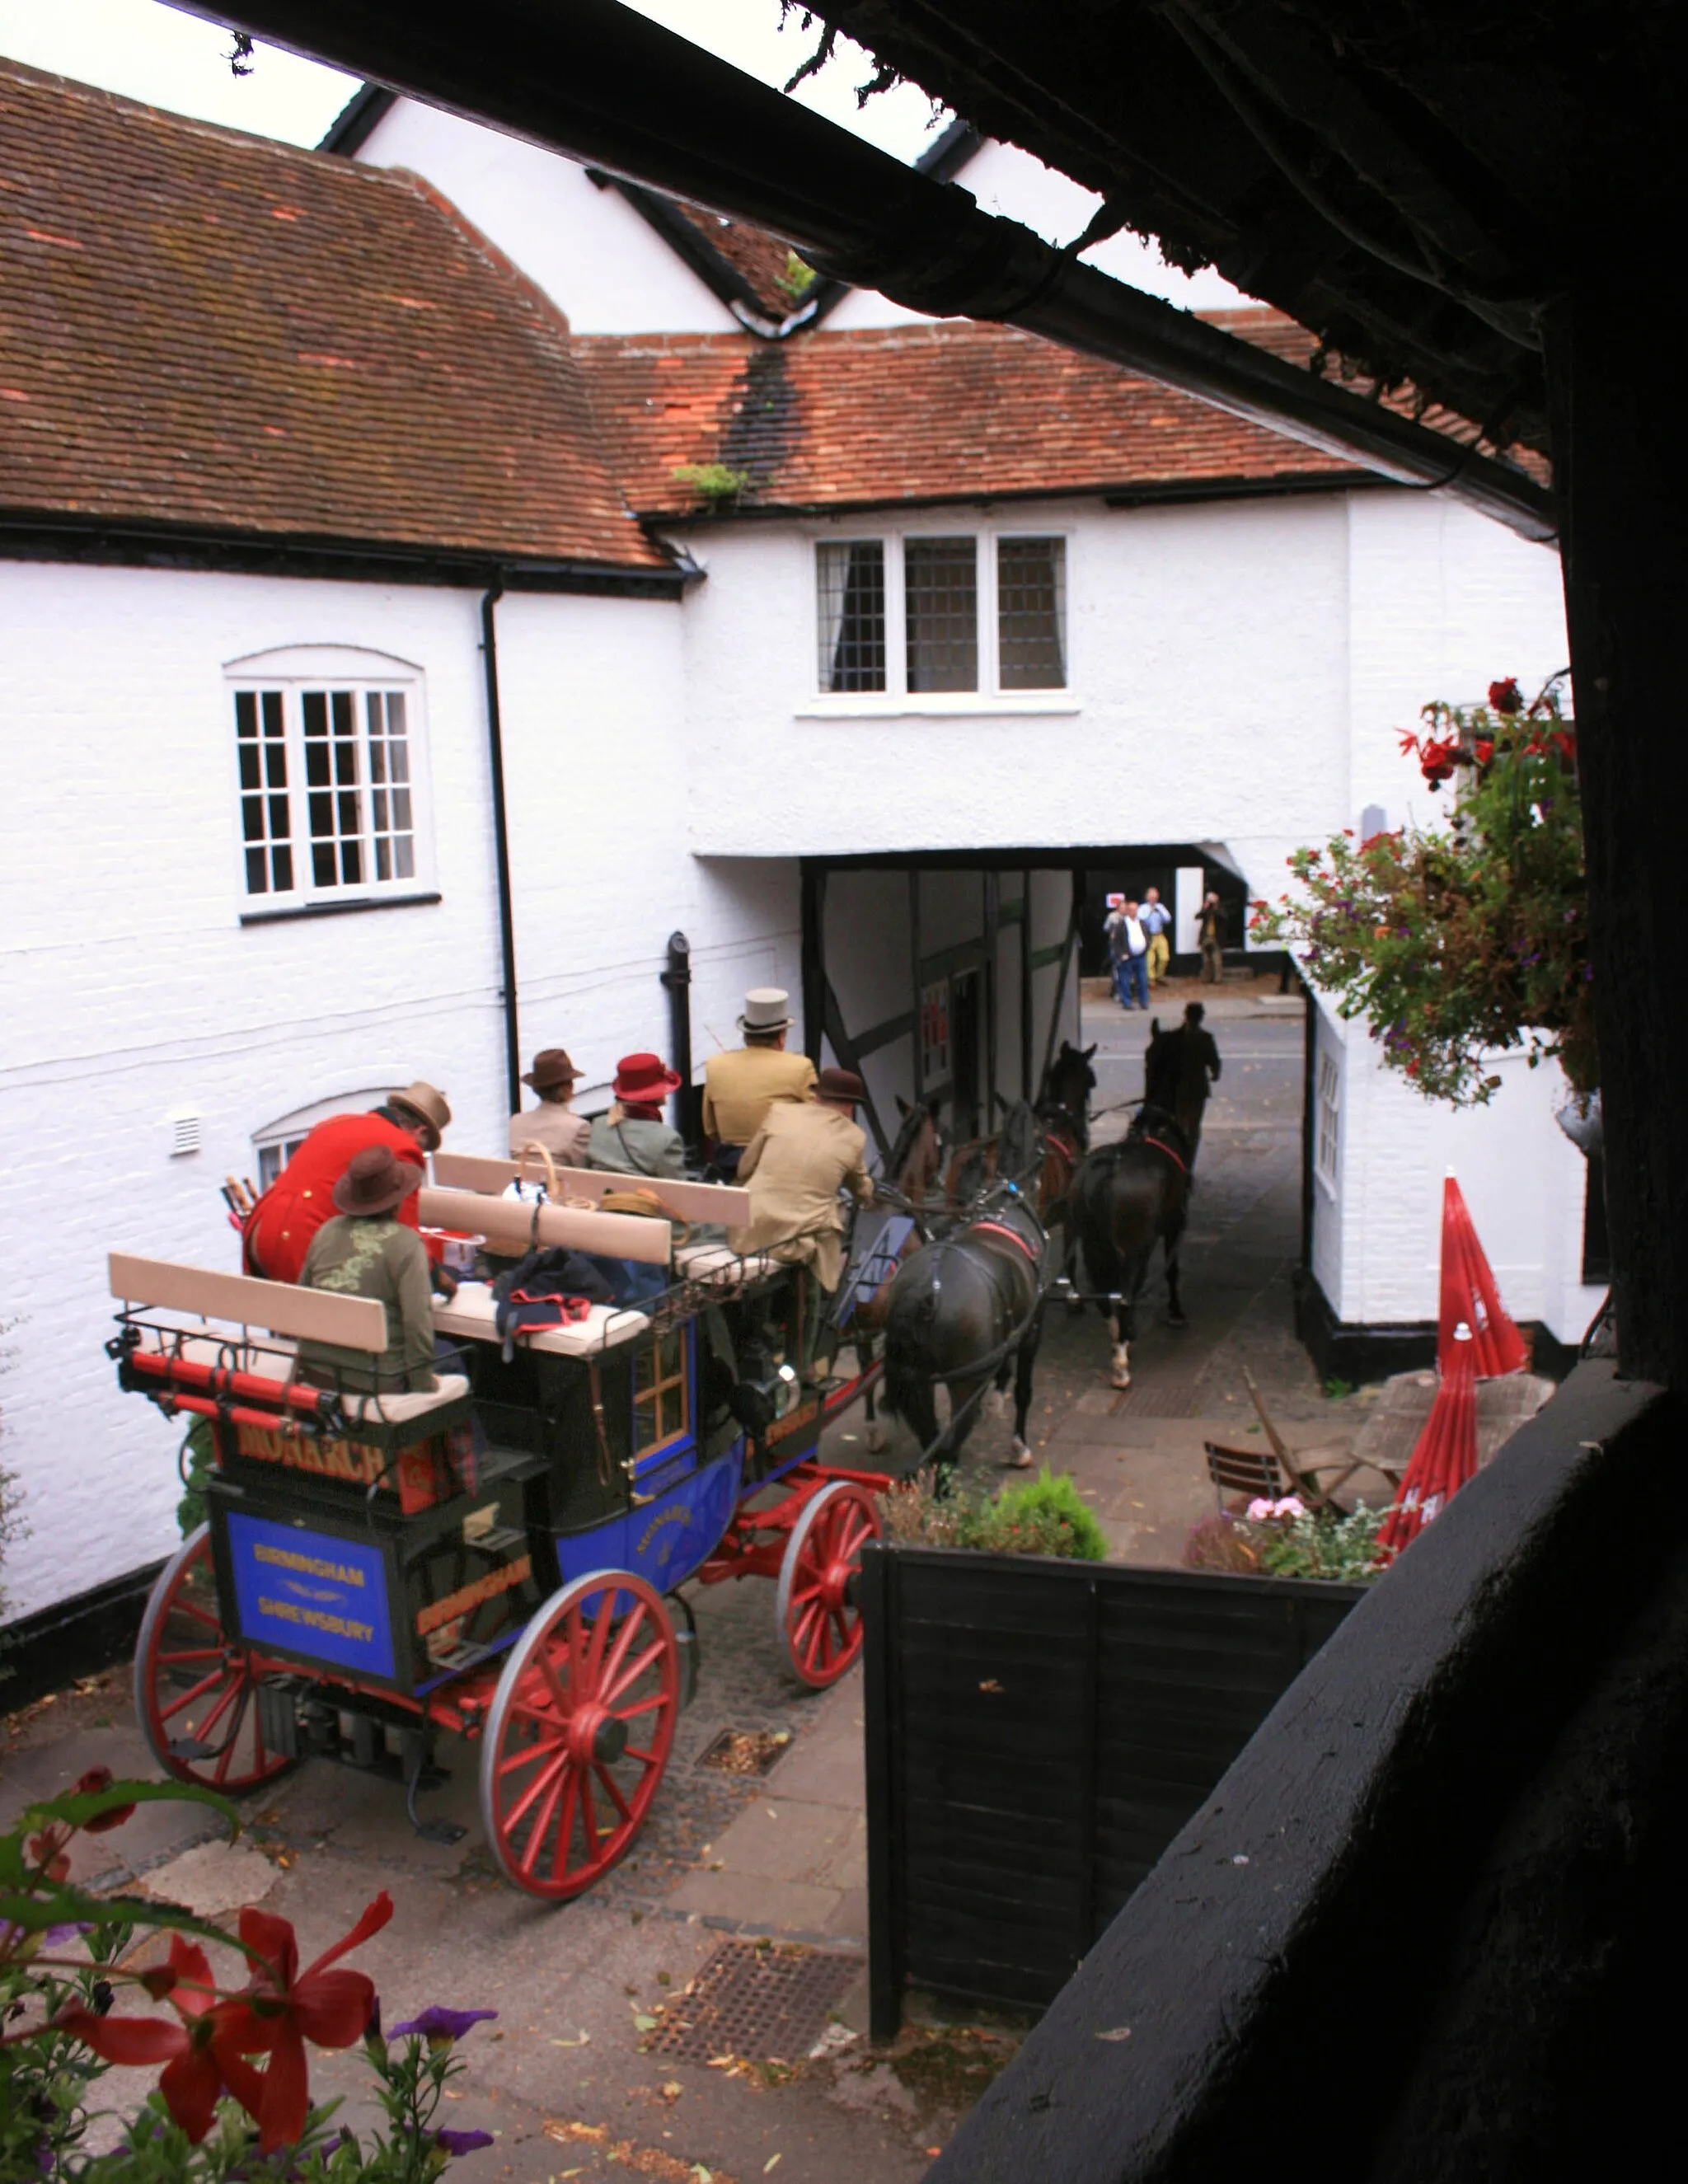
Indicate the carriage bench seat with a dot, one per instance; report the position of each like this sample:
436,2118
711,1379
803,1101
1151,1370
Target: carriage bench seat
265,1321
472,1315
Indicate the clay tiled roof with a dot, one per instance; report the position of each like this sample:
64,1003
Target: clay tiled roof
925,412
213,332
762,261
911,413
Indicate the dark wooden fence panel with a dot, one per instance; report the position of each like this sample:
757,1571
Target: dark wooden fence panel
1038,1732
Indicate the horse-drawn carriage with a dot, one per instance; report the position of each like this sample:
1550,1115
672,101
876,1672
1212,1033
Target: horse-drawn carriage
499,1556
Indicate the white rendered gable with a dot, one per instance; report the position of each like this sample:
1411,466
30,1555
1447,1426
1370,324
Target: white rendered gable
598,261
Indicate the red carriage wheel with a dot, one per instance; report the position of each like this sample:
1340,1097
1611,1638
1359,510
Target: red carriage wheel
195,1692
579,1733
817,1606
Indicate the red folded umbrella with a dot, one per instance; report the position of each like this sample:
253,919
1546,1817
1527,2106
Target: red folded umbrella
1444,1458
1473,1316
1476,1341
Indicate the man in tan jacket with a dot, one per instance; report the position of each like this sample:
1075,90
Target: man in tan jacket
794,1167
741,1083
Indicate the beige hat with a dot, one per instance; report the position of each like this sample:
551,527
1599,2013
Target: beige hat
766,1009
430,1108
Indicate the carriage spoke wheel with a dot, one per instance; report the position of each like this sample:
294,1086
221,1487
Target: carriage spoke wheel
579,1733
196,1694
819,1616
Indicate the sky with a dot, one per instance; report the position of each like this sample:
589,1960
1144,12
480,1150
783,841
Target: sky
150,51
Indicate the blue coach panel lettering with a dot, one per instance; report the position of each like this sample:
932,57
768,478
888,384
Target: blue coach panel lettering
311,1593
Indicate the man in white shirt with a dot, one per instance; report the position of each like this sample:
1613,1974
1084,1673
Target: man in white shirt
1131,963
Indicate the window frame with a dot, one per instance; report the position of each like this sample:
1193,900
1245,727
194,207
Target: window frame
294,670
1328,1122
679,1332
896,697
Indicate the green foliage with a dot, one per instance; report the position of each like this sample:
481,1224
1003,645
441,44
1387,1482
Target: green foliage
1456,943
1298,1542
198,1461
1336,1389
715,482
1043,1516
797,278
63,1951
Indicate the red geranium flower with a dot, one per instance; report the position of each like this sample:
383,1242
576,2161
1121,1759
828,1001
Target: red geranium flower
1486,751
1506,696
194,2077
283,2006
97,1778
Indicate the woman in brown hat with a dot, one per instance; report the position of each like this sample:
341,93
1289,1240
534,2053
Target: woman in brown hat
553,1124
366,1250
633,1136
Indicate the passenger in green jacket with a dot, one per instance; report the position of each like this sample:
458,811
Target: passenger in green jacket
632,1136
366,1251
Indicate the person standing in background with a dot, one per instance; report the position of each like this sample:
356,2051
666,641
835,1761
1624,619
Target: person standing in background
1211,934
1155,917
1132,976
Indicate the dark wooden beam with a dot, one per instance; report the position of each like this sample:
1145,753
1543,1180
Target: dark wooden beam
1622,479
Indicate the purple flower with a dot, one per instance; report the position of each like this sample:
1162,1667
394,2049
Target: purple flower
464,2142
437,2023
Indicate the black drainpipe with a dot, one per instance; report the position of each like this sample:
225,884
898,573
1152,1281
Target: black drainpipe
678,977
495,747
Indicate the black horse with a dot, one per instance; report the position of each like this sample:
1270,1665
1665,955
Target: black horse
1129,1196
965,1310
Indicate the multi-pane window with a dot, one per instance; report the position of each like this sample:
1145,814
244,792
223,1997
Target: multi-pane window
949,613
1329,1117
327,789
852,616
941,582
265,815
659,1379
1031,614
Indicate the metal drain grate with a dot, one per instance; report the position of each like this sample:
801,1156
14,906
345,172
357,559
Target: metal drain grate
761,2002
1169,1396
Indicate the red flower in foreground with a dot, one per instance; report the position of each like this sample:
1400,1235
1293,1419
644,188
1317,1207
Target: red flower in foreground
193,2078
1506,696
283,2006
97,1778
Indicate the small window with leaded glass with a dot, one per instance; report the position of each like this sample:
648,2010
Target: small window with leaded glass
940,587
850,576
660,1391
1031,614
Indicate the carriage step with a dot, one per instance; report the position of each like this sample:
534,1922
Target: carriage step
190,1747
465,1656
502,1540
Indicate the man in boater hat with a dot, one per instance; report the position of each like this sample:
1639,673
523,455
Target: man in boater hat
741,1083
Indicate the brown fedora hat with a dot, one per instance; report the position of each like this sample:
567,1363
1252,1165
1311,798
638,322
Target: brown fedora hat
842,1085
430,1108
551,1068
374,1181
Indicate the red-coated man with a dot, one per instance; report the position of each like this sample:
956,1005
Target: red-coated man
280,1227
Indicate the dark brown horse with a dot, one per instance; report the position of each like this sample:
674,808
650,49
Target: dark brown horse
1128,1197
967,1310
913,1167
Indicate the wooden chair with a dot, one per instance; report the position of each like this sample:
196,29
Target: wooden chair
1253,1473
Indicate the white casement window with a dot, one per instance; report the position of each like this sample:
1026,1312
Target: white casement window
329,777
944,612
1329,1121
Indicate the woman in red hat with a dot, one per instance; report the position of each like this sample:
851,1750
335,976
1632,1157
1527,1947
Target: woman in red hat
632,1137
